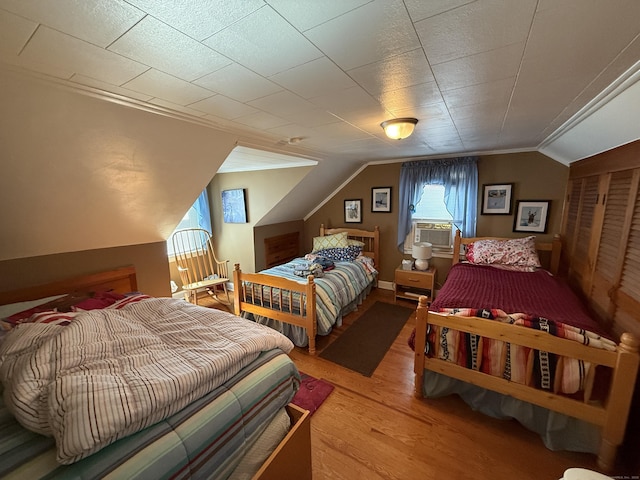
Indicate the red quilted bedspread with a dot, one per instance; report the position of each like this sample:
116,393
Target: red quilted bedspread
538,294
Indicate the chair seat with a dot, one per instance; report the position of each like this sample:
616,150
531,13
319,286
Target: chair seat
212,282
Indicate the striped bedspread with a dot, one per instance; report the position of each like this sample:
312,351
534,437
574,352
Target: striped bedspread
206,439
112,373
335,290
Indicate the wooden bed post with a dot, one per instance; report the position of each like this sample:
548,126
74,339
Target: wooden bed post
312,325
619,401
420,343
238,286
556,250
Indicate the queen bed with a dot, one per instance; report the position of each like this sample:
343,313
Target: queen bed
117,384
302,300
514,341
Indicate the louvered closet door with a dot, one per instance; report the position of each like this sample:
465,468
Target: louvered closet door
627,297
580,242
619,201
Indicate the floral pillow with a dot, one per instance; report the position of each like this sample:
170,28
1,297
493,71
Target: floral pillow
346,254
338,240
518,254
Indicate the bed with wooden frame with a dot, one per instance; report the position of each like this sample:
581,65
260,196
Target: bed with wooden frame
24,451
608,413
278,298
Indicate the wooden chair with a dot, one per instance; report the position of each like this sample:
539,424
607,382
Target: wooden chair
198,266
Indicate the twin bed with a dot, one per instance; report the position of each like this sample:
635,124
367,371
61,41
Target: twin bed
95,379
292,300
499,335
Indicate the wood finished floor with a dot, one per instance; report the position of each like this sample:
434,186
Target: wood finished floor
374,428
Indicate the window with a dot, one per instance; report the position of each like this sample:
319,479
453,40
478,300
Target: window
198,216
459,179
431,221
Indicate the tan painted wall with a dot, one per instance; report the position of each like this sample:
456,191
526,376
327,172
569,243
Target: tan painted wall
264,189
150,261
535,177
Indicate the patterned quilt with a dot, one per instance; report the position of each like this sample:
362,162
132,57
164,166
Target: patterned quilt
111,373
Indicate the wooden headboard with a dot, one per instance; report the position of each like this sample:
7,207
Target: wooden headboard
370,238
555,247
121,280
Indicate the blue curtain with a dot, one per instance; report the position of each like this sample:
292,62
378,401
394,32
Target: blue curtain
459,176
202,208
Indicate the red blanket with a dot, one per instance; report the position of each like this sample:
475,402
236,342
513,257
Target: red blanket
537,294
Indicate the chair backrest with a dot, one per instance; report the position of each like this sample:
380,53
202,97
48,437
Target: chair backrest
195,257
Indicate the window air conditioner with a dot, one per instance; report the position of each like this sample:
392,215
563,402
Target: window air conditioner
437,234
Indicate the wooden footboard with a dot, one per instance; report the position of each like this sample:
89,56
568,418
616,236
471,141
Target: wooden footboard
277,298
610,415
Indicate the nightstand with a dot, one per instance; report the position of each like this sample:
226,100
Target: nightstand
411,284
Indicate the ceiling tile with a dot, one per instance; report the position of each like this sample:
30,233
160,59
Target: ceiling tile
305,15
392,73
419,9
14,33
223,107
282,103
411,97
497,91
238,82
350,102
166,87
475,28
264,42
480,68
50,48
157,45
261,120
311,118
197,18
366,35
176,108
315,78
95,21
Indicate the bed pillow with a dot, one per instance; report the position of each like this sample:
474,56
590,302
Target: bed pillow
338,240
517,254
59,303
352,242
346,254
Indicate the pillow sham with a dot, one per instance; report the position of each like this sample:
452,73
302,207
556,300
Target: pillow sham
337,240
59,303
346,254
518,254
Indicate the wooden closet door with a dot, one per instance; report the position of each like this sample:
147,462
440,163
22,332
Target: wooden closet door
618,200
627,294
582,201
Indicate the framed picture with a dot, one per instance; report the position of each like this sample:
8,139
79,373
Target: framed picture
496,199
381,199
353,211
234,209
531,216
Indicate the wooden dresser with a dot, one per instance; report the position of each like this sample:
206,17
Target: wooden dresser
281,249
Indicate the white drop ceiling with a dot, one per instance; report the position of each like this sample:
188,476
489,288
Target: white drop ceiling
480,76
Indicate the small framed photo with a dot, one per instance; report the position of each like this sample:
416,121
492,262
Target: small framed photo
353,211
531,216
234,209
496,199
381,199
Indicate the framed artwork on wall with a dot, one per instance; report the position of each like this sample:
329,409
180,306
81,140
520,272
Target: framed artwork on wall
496,199
381,199
234,208
531,216
353,211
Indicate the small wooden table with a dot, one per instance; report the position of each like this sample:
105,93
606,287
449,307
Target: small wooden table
411,284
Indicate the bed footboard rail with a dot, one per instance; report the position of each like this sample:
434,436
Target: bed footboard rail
610,415
277,298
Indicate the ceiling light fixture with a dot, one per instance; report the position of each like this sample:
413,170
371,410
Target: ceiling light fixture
399,128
